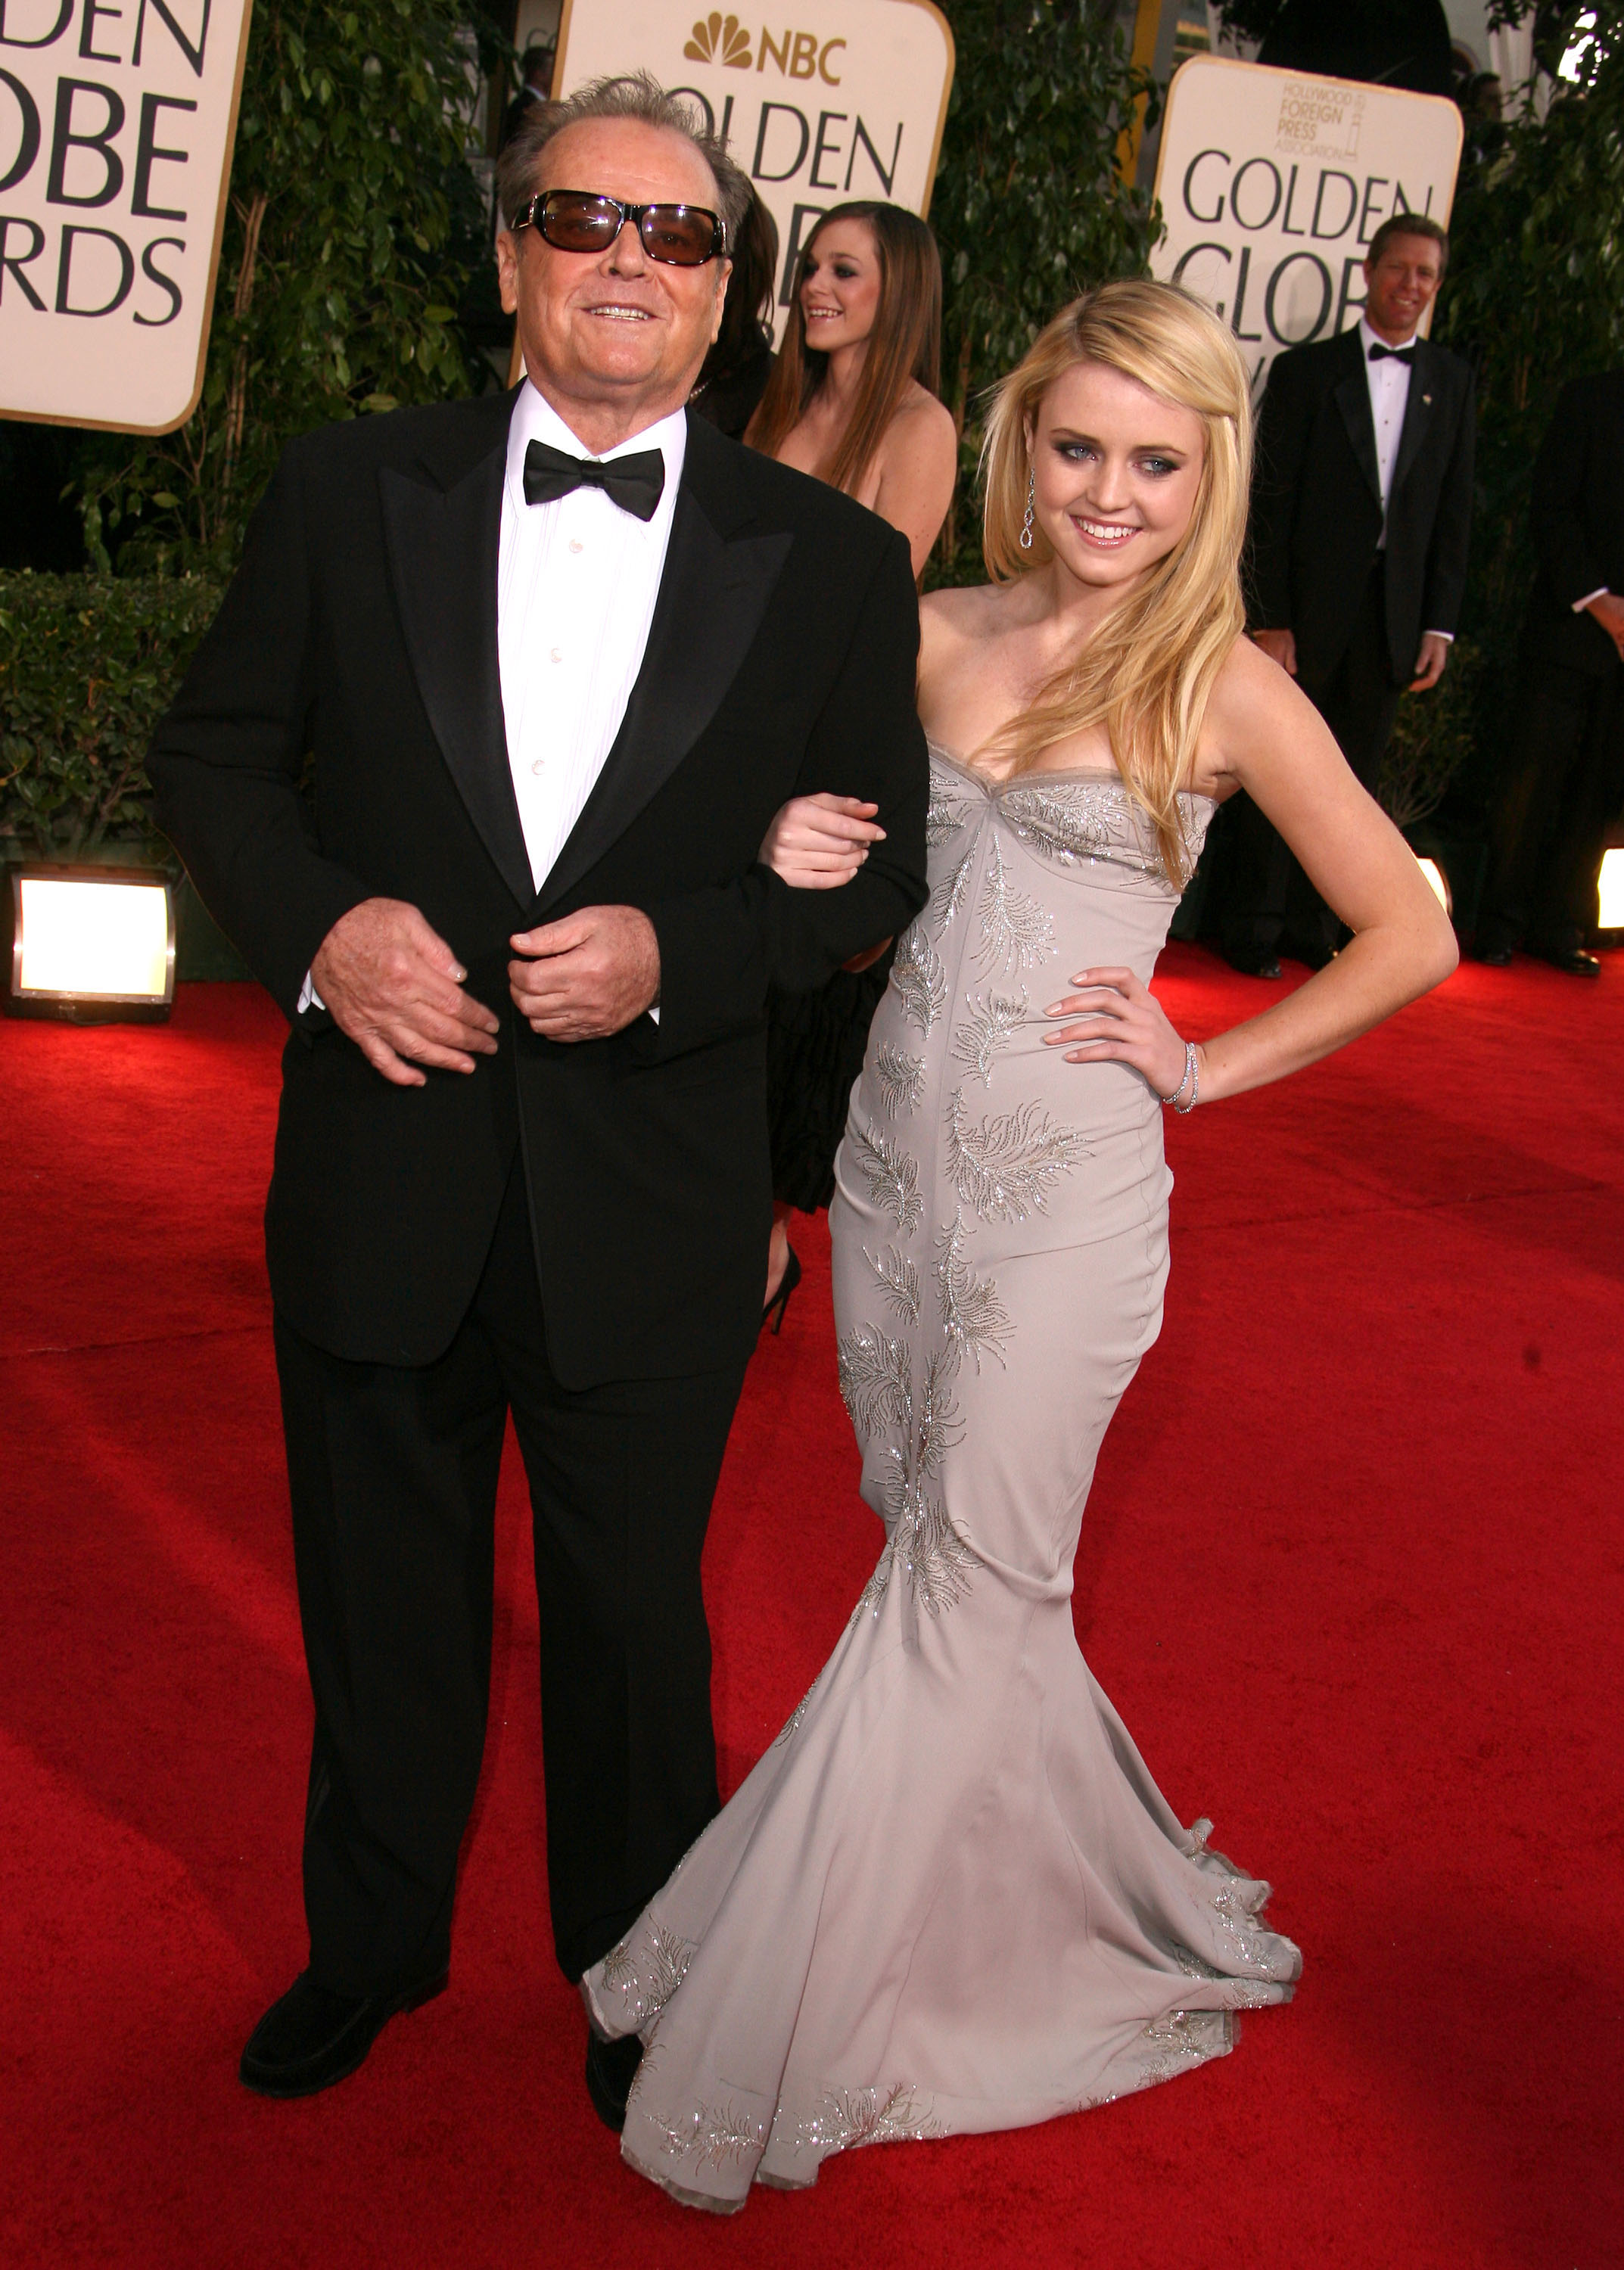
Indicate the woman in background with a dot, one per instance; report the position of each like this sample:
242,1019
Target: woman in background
738,366
852,400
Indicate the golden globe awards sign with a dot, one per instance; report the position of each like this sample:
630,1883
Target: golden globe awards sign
116,125
1273,182
834,99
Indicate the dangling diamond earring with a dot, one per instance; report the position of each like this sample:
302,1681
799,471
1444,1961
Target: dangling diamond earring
1026,525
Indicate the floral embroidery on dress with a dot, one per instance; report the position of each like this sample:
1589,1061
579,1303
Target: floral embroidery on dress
1005,1167
1068,823
844,2122
1181,2039
943,814
1015,933
898,1077
892,1176
876,1382
920,979
900,1279
712,2135
644,1980
991,1022
973,1316
791,1725
938,1560
951,893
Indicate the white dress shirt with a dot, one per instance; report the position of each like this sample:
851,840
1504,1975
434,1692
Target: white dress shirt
1389,383
576,583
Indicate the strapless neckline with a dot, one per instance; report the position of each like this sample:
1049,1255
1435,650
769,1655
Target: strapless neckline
1108,774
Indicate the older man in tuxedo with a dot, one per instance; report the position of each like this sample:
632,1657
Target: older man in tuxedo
1362,511
555,658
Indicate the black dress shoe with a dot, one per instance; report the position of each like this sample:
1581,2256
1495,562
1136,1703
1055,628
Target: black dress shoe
1494,955
313,2037
612,2067
1253,961
1573,959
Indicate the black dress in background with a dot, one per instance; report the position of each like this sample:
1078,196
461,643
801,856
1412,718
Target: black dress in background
815,1042
815,1046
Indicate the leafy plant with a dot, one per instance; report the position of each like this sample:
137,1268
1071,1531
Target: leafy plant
1028,207
354,227
88,665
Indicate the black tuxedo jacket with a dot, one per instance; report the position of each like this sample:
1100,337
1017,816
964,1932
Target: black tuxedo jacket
1576,516
359,635
1316,502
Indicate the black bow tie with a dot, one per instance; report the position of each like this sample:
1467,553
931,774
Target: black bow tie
1379,353
633,483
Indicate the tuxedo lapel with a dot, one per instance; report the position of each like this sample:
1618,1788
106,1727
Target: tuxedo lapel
1420,410
1352,399
443,528
719,575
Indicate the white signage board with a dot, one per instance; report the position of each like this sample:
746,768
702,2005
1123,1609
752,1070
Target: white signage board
116,125
840,100
1271,184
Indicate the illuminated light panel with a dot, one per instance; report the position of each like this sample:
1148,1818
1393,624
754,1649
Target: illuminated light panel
1437,883
1610,891
92,940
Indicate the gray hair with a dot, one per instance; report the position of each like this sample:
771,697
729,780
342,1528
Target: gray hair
635,96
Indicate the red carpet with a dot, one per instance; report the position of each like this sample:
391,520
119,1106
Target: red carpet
1353,1573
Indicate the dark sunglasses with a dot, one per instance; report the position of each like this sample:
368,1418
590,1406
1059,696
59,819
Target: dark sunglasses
579,220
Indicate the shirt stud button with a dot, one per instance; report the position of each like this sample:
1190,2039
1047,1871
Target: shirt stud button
540,765
557,655
575,544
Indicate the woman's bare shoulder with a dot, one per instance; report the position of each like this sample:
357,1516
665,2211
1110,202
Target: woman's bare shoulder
961,613
1256,710
921,427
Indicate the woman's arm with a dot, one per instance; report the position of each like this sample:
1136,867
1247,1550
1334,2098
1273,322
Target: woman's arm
1266,736
918,464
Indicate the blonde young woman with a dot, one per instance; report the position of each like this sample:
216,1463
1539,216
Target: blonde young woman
852,400
951,1897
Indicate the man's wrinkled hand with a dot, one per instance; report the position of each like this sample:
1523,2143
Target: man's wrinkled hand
1429,663
1279,646
591,975
1608,609
396,988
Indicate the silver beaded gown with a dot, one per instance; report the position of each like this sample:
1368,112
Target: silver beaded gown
950,1897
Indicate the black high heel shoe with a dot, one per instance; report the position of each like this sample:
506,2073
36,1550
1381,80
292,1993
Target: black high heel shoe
775,1308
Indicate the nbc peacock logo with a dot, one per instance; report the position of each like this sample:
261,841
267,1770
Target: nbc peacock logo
719,38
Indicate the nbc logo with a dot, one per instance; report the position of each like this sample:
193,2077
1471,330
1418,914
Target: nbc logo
723,41
718,39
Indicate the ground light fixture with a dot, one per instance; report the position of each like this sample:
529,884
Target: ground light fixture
91,945
1610,890
1437,883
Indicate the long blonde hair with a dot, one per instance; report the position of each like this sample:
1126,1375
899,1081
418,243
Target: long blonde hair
1147,673
905,345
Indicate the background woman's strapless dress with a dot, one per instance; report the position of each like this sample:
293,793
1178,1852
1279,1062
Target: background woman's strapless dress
950,1897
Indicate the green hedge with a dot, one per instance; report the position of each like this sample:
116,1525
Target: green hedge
88,665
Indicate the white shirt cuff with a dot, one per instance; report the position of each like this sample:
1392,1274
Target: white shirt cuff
1447,636
1579,605
308,997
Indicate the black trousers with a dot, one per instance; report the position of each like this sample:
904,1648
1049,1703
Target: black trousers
1266,898
1562,790
393,1479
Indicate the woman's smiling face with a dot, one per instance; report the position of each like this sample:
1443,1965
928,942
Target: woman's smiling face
1116,473
840,287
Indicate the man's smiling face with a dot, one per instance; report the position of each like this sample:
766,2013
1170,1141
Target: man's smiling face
615,329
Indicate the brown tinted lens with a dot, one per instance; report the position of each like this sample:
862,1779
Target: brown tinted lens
573,222
680,234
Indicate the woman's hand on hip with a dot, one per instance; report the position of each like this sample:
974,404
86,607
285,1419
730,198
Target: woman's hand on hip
1111,1017
818,842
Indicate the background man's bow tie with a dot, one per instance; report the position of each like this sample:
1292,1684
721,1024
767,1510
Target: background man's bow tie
1378,353
633,483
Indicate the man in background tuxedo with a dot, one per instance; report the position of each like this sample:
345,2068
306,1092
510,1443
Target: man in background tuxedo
1361,509
558,657
1564,784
